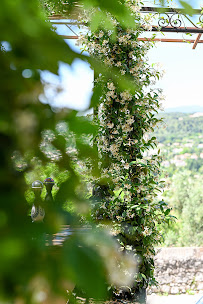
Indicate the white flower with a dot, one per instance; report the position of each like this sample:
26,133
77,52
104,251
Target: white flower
110,125
110,94
131,54
116,179
110,86
146,231
126,128
121,39
127,166
162,97
128,36
115,132
118,64
130,121
134,69
126,95
116,167
105,42
134,43
128,186
107,61
135,8
101,34
147,27
130,142
114,149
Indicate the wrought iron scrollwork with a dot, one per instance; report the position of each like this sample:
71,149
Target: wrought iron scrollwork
175,19
201,18
169,20
163,21
172,20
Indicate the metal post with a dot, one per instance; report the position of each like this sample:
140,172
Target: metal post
37,212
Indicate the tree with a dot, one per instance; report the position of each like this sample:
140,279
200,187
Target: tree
125,192
185,197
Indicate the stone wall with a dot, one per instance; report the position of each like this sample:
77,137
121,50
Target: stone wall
179,270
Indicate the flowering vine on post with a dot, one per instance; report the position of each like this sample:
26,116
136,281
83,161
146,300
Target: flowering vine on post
126,121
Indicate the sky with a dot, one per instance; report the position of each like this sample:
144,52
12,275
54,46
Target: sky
182,82
183,67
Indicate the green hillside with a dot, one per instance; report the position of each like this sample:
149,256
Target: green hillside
179,127
180,140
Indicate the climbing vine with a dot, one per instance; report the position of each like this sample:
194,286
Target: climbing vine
128,192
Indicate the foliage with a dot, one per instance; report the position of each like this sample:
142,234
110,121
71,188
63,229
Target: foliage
125,194
75,8
180,140
181,146
177,126
185,196
31,272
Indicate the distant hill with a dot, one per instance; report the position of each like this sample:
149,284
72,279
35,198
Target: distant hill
185,109
179,127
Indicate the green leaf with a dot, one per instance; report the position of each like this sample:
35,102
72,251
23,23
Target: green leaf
85,267
97,92
167,212
187,8
116,8
144,276
81,125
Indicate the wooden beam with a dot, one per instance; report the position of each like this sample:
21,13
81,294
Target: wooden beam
65,22
147,9
196,41
150,9
68,37
57,17
169,40
181,29
147,39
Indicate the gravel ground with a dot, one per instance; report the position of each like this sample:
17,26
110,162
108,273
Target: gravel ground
173,299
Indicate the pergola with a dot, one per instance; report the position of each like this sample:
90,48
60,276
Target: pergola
168,20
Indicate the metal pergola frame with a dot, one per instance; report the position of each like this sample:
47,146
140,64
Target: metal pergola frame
169,20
